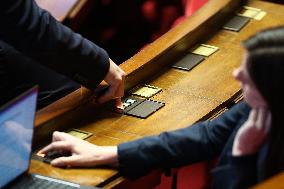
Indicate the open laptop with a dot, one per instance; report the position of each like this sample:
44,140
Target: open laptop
16,132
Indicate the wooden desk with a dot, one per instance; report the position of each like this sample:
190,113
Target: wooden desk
275,182
190,96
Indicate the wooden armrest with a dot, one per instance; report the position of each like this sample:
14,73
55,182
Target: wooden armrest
140,67
276,182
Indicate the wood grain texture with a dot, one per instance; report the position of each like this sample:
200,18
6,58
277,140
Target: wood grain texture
276,182
189,96
159,54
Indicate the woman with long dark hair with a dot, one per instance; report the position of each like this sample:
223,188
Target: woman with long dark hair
247,138
265,65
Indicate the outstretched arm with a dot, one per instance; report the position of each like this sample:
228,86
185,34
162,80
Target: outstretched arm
83,153
199,142
36,33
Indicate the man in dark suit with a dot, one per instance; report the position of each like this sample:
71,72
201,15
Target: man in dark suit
31,36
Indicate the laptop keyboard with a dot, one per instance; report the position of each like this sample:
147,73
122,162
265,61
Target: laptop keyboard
37,181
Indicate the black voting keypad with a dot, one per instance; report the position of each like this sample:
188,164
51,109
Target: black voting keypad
236,23
50,156
131,102
188,62
145,109
139,107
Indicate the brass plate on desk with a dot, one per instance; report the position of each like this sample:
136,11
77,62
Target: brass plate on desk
146,91
79,133
205,50
252,12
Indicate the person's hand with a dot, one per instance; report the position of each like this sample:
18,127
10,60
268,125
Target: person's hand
253,132
115,80
83,153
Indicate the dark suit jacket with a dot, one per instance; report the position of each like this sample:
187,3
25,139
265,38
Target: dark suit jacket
37,34
199,142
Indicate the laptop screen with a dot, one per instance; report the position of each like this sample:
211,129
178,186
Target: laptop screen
16,131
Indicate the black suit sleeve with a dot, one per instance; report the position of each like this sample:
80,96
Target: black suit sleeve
36,33
201,141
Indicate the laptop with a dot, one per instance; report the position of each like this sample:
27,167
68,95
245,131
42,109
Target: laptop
16,133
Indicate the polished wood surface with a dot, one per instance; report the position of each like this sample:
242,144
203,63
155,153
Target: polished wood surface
164,50
189,96
276,182
58,8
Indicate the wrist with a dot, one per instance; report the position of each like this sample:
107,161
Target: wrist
109,155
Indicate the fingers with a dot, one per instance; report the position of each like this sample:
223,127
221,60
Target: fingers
114,92
253,115
61,136
60,141
118,104
115,79
120,93
268,122
120,89
73,161
56,146
259,122
253,133
109,94
263,119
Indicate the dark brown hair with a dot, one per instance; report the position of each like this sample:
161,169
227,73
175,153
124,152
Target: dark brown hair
265,65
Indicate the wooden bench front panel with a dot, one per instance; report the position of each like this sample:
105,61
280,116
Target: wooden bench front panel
189,96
